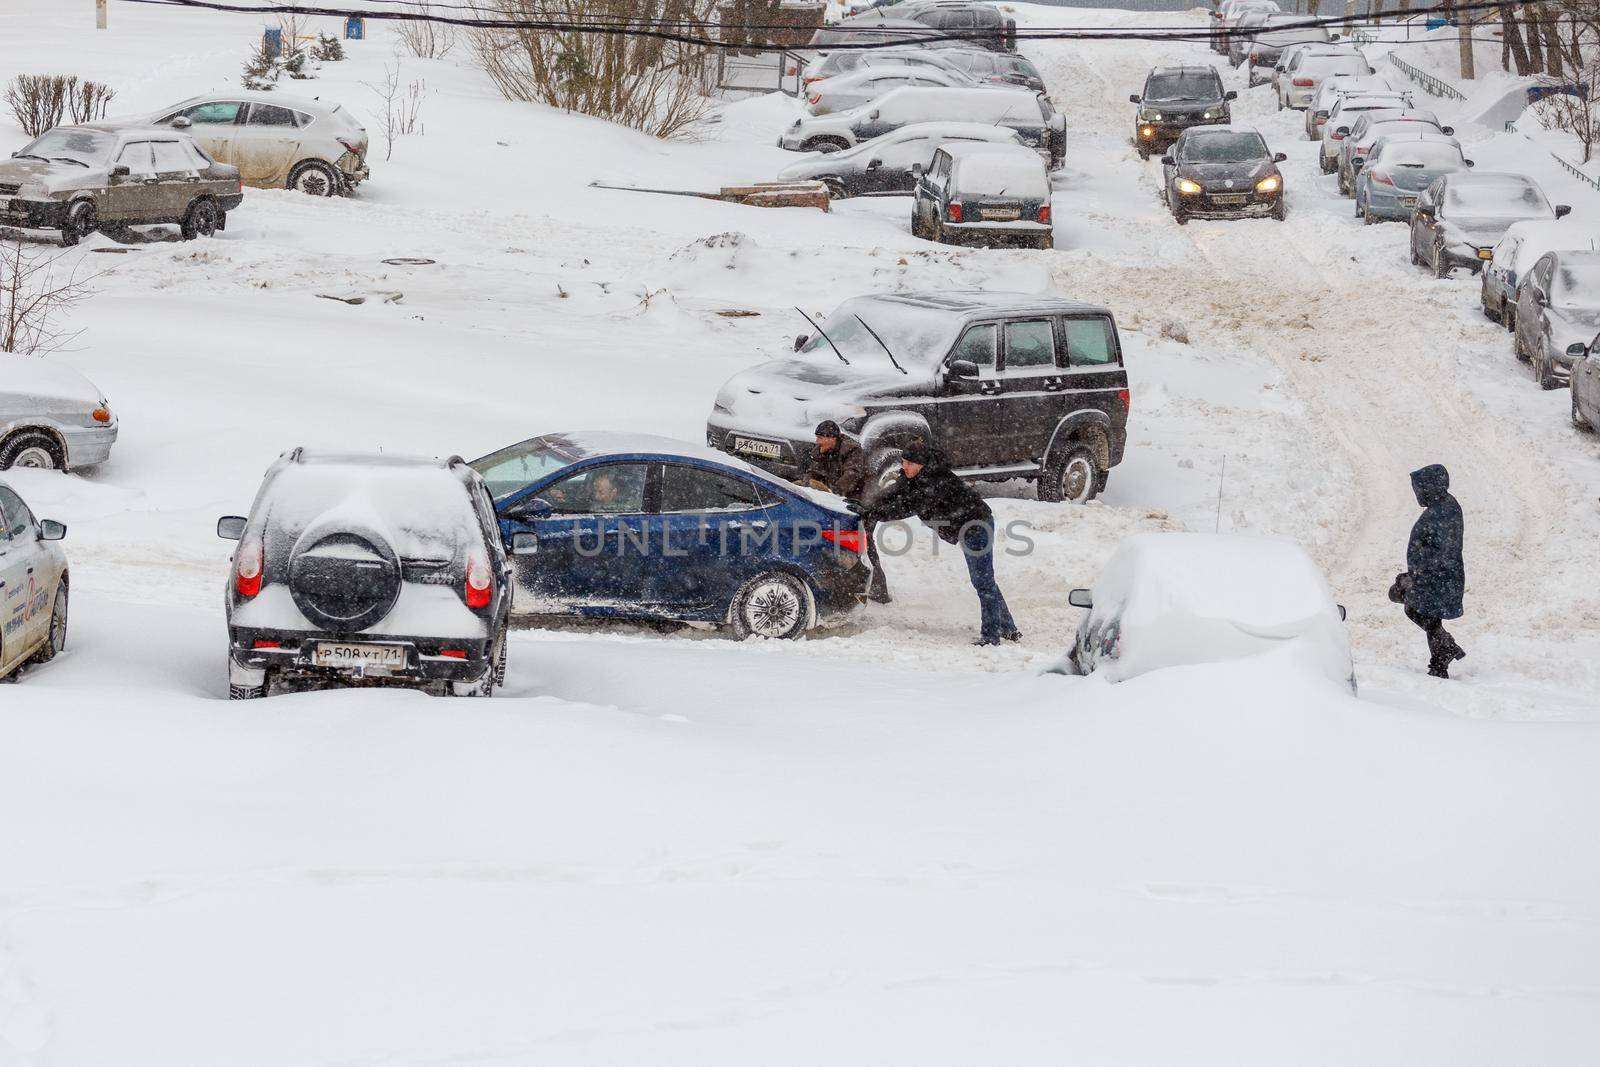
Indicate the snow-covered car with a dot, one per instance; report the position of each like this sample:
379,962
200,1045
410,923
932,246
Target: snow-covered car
1223,172
1334,87
863,86
1230,13
1029,113
276,141
884,164
1586,388
984,194
33,586
977,23
999,68
612,525
1346,111
367,570
1174,99
79,179
872,28
1243,32
1007,385
1398,168
1299,82
51,417
1177,599
1558,314
837,63
1519,249
1294,55
1357,141
1278,32
1461,216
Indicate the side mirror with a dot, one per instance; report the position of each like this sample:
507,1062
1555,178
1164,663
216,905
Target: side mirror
1279,157
873,114
1133,98
231,527
1343,131
800,341
1448,131
874,164
1577,351
182,122
121,170
1168,161
1541,297
962,369
1231,94
1563,210
51,530
1343,614
1080,598
1469,162
916,170
524,544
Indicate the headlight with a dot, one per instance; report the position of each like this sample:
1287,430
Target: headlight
1209,115
1152,116
1187,187
1269,184
1147,131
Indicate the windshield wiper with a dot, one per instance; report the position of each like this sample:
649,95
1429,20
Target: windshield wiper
886,351
825,337
69,159
41,159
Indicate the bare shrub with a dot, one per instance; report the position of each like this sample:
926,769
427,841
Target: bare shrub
38,101
35,292
647,83
1577,113
87,101
402,107
426,40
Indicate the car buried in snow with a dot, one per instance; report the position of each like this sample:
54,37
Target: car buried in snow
631,526
372,570
996,68
1174,99
1223,172
1398,168
1461,216
1178,599
1557,315
1007,385
984,194
852,90
1334,88
51,417
79,179
886,164
1519,249
1356,141
1310,67
33,586
1345,113
1278,32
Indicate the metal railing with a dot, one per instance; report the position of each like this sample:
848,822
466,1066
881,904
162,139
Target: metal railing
1426,80
760,72
1572,168
1364,36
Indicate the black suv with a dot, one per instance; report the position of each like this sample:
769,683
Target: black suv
1008,385
1174,99
974,23
367,569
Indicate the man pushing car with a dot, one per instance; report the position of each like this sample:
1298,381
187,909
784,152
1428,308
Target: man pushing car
839,466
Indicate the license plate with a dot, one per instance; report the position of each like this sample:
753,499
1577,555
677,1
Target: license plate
339,654
1001,214
1408,201
1232,198
765,449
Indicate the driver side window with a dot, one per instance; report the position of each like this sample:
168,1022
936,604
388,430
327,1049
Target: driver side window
15,518
978,345
614,489
136,157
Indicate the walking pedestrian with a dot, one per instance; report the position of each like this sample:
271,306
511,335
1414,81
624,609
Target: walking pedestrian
838,465
1435,579
932,492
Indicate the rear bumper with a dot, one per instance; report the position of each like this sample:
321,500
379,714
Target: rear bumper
353,168
85,448
961,233
295,657
1389,205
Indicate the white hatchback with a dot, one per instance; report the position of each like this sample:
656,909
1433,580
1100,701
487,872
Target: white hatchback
33,586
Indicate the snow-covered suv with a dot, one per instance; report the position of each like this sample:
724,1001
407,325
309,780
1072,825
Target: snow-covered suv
367,569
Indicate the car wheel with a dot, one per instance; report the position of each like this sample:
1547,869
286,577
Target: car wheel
1544,371
1411,241
315,179
1518,349
1578,421
773,605
1143,150
32,450
1280,210
1367,217
1045,243
56,640
1179,217
1508,316
494,673
1071,477
201,220
1488,312
82,220
824,145
1441,265
247,692
836,189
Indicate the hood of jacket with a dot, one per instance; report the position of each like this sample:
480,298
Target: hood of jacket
1431,484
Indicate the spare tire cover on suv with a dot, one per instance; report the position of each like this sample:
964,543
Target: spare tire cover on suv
342,577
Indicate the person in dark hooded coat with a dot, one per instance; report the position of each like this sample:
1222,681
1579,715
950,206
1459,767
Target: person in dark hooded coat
1436,577
838,465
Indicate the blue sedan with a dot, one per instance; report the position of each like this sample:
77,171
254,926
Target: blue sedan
631,526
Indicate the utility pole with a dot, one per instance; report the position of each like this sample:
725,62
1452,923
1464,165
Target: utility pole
99,14
1463,22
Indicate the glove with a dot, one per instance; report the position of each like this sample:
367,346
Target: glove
856,508
1401,586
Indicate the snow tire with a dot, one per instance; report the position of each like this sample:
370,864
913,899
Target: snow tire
1070,476
772,605
56,640
32,450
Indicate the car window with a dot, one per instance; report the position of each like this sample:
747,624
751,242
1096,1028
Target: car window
15,517
697,489
171,158
270,115
977,345
1091,342
136,157
614,489
196,155
1030,344
213,112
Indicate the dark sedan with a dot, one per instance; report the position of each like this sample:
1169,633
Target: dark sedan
1461,216
1222,172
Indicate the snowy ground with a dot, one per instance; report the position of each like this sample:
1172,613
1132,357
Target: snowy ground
881,846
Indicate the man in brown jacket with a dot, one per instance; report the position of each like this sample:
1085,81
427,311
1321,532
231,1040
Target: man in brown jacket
839,466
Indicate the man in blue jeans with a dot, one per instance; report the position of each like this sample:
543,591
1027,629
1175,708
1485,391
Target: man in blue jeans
932,492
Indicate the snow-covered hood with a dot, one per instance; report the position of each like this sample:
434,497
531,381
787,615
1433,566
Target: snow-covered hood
792,395
54,177
32,382
1573,325
1480,233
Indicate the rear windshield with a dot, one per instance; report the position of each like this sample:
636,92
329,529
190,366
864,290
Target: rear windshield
1004,174
1183,87
422,512
1291,33
510,469
1326,66
1506,198
1224,148
1421,155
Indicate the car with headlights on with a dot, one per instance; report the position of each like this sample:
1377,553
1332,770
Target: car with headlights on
863,86
1223,172
1398,168
986,195
1460,217
1313,65
34,585
1344,114
1519,249
1558,314
1174,99
1356,141
367,570
51,417
1331,89
886,164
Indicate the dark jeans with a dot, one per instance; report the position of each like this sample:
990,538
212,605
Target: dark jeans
977,545
1441,646
879,587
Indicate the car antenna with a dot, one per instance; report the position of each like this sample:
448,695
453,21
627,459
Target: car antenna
825,337
886,351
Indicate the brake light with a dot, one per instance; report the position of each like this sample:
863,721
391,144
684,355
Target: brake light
955,212
1127,399
1381,178
267,644
1336,136
1304,83
790,71
101,414
480,582
352,146
812,78
814,98
247,569
849,540
1044,213
454,653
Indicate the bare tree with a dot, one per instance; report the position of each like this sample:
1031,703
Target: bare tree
426,40
402,107
648,83
35,292
1569,103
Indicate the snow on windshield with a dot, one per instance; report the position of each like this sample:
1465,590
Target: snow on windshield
423,512
914,334
1182,87
1333,65
1577,283
1291,34
509,469
92,147
1424,155
1500,198
1019,173
1224,148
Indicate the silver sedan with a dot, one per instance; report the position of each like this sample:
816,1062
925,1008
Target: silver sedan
51,416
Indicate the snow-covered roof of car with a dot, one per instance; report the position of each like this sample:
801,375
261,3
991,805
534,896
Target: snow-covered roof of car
1190,69
45,379
992,169
983,302
303,103
1534,237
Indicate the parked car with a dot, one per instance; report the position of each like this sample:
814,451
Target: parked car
999,68
1293,55
1460,217
864,86
1558,314
276,141
1357,141
1028,113
367,570
1176,599
79,179
1344,115
1519,249
836,63
978,24
871,28
1174,99
1398,168
1228,14
1242,34
884,164
630,526
51,417
1299,82
1007,385
34,586
1223,172
1330,89
1278,32
1586,389
984,194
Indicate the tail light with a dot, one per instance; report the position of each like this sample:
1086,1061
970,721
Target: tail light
1382,178
454,653
955,212
1127,399
1303,83
247,569
353,146
101,414
1044,214
849,540
267,644
480,582
813,98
